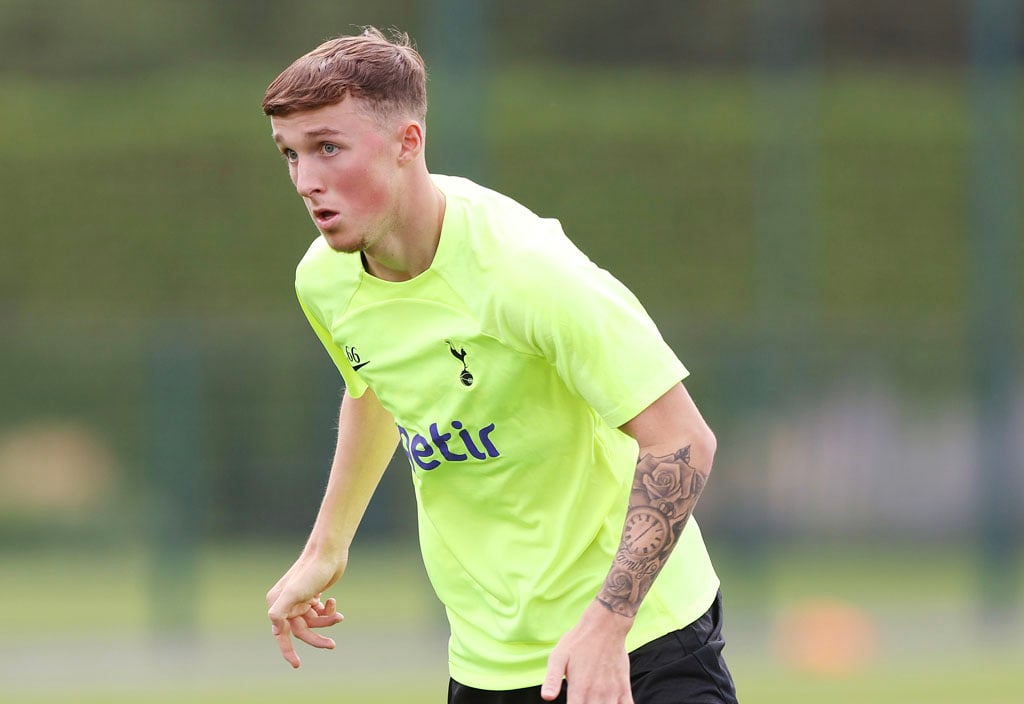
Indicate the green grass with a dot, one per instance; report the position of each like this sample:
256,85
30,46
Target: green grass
977,681
388,583
970,683
924,577
64,604
228,585
427,693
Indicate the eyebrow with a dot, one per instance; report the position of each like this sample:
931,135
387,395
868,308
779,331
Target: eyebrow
313,134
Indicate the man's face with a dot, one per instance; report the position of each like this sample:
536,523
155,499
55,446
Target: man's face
344,164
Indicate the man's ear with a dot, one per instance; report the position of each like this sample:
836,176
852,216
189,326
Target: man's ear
413,142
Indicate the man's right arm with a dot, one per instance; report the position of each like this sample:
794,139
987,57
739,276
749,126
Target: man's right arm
367,436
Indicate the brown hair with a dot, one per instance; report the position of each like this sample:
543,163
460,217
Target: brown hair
389,75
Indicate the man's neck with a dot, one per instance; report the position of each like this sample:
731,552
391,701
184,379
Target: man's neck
409,249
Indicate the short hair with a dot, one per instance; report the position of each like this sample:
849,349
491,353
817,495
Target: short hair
388,74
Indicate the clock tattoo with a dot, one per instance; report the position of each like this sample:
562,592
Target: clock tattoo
646,531
664,490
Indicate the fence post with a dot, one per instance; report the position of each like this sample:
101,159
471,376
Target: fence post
457,47
785,60
995,247
174,517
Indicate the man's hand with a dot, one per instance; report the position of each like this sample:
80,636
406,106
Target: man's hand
592,658
295,607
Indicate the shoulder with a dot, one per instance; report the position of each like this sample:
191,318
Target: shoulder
504,238
480,199
519,262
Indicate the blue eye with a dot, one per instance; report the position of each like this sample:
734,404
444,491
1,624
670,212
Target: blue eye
330,148
291,154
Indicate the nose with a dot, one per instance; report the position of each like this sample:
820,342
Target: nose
307,180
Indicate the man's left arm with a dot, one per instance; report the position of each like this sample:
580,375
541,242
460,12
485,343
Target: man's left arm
676,452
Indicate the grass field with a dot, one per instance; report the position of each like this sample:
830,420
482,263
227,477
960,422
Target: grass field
969,684
78,627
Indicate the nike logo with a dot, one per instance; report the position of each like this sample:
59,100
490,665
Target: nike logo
357,367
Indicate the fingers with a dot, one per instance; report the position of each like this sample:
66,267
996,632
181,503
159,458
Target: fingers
282,634
316,615
323,615
553,679
281,615
301,630
314,621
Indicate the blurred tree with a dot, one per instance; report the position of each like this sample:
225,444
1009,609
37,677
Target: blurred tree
77,38
881,30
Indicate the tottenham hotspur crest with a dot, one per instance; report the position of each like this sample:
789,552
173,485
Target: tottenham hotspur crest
460,354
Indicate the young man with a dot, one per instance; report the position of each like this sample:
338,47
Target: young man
522,381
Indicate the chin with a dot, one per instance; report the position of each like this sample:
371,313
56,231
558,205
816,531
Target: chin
341,246
340,243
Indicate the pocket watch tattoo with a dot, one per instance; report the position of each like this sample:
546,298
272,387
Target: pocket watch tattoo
647,530
661,500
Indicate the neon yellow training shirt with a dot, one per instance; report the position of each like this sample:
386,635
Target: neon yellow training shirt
508,366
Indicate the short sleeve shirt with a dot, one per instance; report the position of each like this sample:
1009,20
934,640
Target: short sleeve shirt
509,365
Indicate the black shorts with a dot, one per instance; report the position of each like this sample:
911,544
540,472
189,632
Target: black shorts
682,667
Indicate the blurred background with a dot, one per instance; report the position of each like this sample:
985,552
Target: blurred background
819,203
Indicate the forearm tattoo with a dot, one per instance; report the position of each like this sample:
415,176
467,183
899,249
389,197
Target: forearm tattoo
664,492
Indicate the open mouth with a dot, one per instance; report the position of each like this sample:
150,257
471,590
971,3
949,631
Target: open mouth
324,216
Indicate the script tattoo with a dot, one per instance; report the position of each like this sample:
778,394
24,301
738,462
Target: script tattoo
662,498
